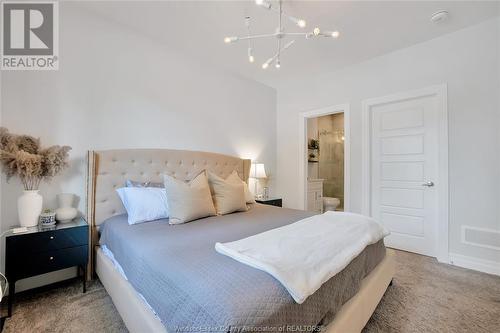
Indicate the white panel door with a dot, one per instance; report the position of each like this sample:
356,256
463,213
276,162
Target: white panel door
404,165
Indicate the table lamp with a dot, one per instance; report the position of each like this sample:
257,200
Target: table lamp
257,171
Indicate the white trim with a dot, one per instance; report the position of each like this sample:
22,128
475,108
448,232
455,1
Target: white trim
462,238
481,265
341,108
441,91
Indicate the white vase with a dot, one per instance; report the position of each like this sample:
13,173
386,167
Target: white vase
29,208
66,212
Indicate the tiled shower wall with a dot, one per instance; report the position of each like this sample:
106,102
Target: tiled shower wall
331,155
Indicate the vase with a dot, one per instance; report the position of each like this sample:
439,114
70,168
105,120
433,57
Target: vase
29,208
66,212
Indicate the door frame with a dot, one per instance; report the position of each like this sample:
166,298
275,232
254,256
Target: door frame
303,117
441,93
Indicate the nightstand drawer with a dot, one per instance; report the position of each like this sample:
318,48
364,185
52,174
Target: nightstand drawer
44,262
49,240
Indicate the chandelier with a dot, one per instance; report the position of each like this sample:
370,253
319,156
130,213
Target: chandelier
279,34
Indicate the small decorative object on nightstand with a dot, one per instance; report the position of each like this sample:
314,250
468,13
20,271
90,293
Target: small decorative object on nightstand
278,202
42,250
47,218
66,212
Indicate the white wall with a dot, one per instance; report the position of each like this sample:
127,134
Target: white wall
468,61
119,89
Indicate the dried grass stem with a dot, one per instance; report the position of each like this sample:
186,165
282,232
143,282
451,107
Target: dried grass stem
22,156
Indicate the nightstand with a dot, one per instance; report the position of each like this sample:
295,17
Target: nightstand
42,250
278,202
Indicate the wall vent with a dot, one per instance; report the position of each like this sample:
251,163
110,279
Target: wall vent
482,237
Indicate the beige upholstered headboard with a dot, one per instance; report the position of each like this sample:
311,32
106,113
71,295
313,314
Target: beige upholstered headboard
109,169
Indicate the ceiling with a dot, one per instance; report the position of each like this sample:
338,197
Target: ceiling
368,29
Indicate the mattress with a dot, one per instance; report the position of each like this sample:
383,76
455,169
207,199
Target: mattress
193,288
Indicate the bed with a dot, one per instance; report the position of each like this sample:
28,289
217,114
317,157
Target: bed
169,278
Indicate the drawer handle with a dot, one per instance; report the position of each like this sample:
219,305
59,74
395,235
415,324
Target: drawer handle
51,237
51,258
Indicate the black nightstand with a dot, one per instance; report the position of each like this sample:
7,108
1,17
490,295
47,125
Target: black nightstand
42,250
278,202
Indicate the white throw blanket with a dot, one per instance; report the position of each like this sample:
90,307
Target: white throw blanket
305,254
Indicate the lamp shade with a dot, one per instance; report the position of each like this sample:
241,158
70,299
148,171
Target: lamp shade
257,170
3,286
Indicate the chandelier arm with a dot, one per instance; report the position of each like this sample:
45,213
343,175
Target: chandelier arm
280,13
257,36
247,23
290,17
279,50
274,57
280,30
283,49
295,33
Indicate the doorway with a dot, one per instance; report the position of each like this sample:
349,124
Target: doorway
405,182
324,155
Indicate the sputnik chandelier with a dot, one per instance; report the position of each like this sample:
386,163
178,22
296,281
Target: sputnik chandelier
279,34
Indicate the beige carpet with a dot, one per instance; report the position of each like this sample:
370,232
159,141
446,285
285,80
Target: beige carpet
425,297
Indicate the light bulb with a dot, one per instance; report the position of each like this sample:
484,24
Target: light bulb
335,34
250,55
316,31
299,22
278,64
267,63
263,3
228,40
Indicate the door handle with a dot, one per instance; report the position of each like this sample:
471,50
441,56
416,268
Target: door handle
428,184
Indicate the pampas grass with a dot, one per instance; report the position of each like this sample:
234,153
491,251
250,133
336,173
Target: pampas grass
22,156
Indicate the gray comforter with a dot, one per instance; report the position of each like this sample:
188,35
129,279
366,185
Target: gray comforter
193,288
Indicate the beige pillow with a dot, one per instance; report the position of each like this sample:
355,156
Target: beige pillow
228,197
235,179
188,201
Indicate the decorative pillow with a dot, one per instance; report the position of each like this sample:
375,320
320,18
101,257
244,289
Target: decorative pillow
144,204
132,183
229,197
235,179
188,201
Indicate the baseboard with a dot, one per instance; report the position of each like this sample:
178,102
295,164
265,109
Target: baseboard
481,265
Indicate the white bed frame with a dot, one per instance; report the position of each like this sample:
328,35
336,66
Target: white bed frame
109,169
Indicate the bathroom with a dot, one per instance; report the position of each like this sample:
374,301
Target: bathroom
325,161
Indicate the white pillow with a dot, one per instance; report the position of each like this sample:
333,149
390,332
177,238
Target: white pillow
235,179
229,197
188,201
144,204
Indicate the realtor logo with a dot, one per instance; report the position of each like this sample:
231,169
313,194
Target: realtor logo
29,36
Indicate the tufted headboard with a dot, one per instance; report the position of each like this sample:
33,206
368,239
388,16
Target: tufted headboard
109,169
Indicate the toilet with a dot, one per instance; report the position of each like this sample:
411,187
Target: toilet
330,203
